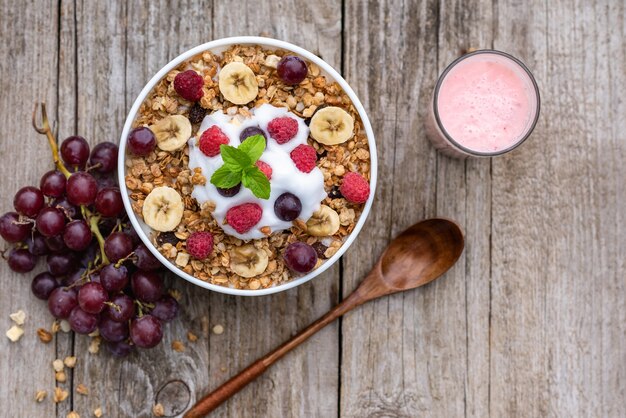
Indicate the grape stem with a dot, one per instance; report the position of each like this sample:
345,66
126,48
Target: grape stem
93,225
44,129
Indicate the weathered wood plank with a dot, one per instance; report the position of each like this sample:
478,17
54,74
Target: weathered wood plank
28,66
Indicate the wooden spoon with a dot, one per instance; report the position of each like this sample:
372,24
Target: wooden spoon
416,257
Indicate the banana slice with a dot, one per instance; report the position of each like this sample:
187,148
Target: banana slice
163,209
248,261
172,132
324,222
331,126
238,83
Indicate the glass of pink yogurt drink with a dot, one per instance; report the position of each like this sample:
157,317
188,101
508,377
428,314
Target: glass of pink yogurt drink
485,103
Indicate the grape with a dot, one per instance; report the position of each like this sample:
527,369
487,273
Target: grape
28,201
91,297
50,222
147,286
95,278
251,131
145,260
113,331
130,231
291,69
60,264
66,207
117,246
105,154
120,348
287,207
43,284
12,229
114,278
300,257
21,260
165,308
107,225
75,151
126,308
109,202
77,235
146,332
89,254
56,244
106,181
81,188
74,279
229,192
36,244
52,184
141,141
82,322
61,302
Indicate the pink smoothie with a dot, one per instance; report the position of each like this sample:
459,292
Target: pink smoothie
487,103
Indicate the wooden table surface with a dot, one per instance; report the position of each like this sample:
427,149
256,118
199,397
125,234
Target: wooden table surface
531,322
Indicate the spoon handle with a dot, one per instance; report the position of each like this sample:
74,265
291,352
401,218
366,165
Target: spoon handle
214,399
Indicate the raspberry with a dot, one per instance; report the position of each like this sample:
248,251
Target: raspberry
200,244
355,188
188,85
304,157
282,129
196,113
243,217
265,168
211,140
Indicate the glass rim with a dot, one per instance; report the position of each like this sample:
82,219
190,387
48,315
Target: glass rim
443,75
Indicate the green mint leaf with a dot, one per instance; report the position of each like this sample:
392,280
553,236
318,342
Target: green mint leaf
257,182
234,158
225,178
253,146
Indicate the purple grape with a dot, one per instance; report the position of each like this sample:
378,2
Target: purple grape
61,302
251,131
141,141
106,181
120,348
104,157
74,279
56,244
117,246
109,202
300,257
113,278
50,222
291,70
28,201
52,184
77,235
113,331
75,151
130,231
287,207
36,244
12,229
107,225
165,308
61,264
81,189
69,210
91,297
146,332
89,254
229,192
126,308
145,260
43,284
21,260
147,286
82,322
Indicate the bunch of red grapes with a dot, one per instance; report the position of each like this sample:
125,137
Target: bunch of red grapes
99,275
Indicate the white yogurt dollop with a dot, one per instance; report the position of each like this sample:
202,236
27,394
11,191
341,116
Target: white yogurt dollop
308,187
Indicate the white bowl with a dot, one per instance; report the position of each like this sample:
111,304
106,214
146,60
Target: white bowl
219,46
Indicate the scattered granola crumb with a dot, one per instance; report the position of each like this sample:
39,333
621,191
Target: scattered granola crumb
82,389
60,395
70,361
57,365
44,336
94,346
175,293
178,346
97,412
41,395
65,326
15,333
18,317
191,336
158,410
96,333
218,329
55,326
60,377
73,414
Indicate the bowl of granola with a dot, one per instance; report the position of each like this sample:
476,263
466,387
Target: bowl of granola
247,165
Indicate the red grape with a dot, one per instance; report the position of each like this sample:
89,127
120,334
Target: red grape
141,141
113,331
287,207
36,244
146,332
69,210
165,308
147,286
43,284
74,279
91,297
109,202
52,184
12,229
300,257
61,302
113,278
82,322
50,222
81,189
75,151
21,260
104,154
291,69
105,181
117,246
28,201
56,244
124,309
120,348
77,235
60,264
145,260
